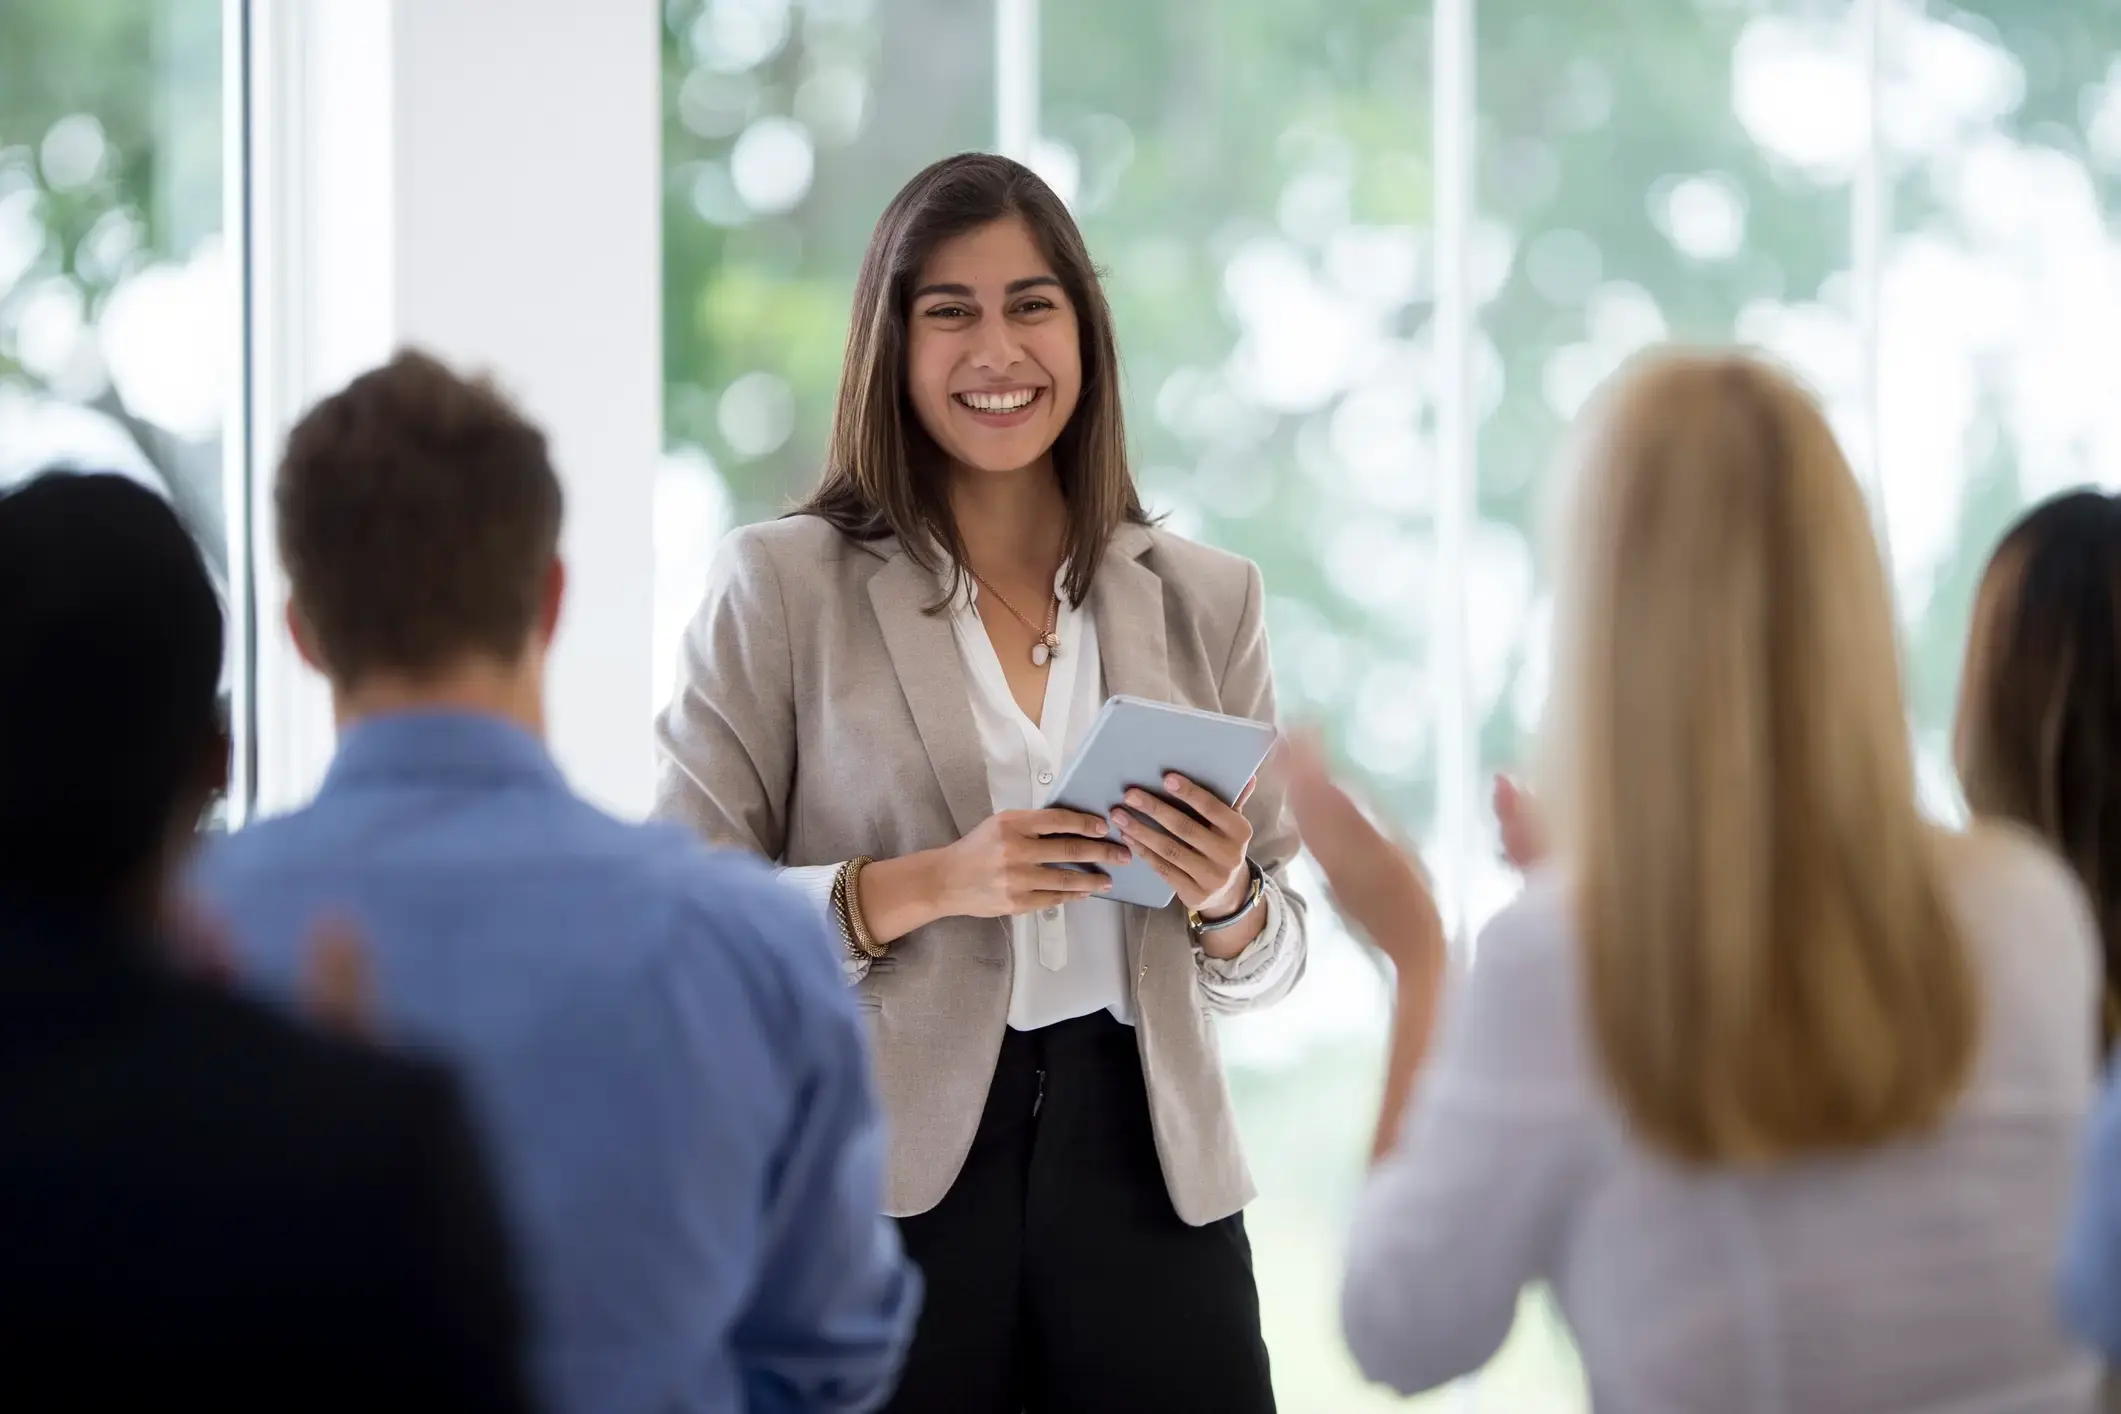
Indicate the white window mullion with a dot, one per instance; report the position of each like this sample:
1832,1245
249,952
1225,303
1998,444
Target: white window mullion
1453,60
1870,217
1016,116
400,195
237,475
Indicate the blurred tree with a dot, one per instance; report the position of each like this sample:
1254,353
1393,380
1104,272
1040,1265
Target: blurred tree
110,164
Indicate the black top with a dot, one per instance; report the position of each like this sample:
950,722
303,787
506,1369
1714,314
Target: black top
204,1206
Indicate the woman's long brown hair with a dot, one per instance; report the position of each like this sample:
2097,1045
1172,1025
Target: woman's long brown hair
2038,738
884,476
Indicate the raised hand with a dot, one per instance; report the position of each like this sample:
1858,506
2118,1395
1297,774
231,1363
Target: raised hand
1377,885
336,992
1524,827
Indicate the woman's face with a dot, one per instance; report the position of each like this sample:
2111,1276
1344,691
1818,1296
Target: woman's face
993,359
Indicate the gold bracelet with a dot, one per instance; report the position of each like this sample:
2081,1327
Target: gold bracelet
839,912
847,903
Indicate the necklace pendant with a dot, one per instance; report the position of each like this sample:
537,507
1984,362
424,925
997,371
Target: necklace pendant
1040,653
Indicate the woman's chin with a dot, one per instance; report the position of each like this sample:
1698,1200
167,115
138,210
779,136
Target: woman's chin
1001,460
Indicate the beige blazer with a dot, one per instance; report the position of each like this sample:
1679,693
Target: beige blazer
821,714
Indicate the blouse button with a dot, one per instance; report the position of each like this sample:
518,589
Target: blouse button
1052,913
1045,778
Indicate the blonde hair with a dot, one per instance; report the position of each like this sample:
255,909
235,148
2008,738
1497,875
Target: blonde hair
1771,967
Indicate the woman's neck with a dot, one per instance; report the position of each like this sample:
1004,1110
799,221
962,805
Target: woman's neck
1013,527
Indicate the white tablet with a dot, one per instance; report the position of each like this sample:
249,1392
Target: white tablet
1135,743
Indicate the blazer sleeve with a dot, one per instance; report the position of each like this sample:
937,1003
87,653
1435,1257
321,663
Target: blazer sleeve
725,744
1271,965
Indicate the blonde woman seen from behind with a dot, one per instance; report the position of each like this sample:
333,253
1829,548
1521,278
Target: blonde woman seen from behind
1777,1086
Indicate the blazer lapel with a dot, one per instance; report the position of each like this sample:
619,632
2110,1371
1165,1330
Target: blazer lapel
924,655
1127,601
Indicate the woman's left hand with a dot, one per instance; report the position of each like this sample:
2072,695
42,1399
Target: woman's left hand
1204,863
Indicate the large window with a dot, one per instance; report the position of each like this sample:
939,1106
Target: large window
116,302
1368,258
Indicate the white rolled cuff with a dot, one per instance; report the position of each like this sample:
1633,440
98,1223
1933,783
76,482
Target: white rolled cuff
814,883
1261,970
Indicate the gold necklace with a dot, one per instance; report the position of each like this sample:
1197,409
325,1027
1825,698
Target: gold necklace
1046,643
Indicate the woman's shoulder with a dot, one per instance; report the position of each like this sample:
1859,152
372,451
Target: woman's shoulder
2000,866
1219,584
799,549
1519,1030
1531,940
800,537
1176,557
2030,927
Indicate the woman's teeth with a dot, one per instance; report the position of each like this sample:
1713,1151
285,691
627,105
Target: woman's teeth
997,402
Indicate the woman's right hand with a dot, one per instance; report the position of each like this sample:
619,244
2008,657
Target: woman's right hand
1003,868
1006,865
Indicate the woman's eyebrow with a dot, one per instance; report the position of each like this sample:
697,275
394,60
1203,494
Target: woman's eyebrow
1015,287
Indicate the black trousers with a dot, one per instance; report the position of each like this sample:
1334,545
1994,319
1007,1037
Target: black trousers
1059,1280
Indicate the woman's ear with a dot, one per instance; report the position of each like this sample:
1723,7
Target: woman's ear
305,641
555,595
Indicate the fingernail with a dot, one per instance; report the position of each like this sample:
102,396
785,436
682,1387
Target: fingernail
1173,782
1119,818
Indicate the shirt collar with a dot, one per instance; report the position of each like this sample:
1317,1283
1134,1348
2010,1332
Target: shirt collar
968,590
440,745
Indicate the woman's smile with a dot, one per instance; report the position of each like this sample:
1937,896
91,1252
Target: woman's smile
999,408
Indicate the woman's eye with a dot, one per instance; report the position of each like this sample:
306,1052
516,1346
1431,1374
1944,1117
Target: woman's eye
948,311
1034,306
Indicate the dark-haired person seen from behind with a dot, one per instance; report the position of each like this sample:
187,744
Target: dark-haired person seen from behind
878,693
2038,742
656,1038
201,1205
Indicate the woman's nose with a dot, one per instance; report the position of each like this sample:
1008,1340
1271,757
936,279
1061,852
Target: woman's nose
995,347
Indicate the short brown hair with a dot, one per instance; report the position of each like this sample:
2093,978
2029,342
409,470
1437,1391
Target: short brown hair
418,517
883,473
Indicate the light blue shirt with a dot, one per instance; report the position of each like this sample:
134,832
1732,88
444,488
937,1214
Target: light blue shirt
670,1074
2091,1258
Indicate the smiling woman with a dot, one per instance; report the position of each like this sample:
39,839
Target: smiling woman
878,695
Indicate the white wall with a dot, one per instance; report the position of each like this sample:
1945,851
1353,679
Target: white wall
480,178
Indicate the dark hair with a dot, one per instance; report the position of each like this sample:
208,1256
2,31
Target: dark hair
2038,738
883,474
418,517
110,657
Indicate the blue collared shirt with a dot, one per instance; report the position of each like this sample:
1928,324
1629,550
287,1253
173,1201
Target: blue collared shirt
2091,1255
670,1074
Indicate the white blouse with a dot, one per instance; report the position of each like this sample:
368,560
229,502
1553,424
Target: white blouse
1917,1278
1070,961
